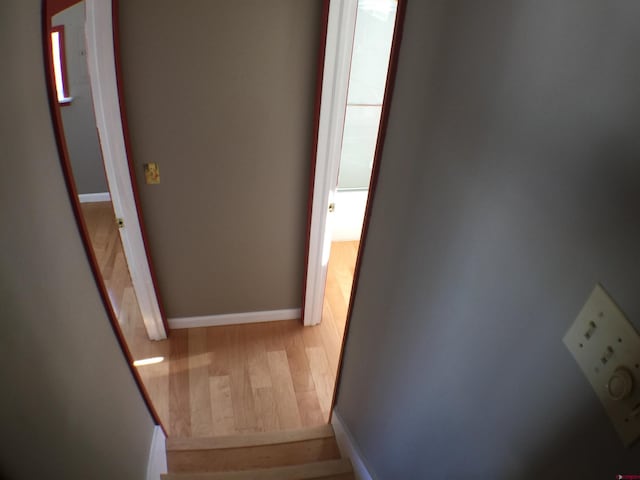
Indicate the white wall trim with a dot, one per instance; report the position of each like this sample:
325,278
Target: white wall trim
157,464
235,318
349,449
333,103
104,87
94,197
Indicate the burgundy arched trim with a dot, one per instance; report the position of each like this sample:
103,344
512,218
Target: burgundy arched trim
382,131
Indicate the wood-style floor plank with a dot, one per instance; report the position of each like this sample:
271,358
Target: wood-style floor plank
297,359
256,352
218,347
199,394
221,406
311,413
323,377
235,379
244,409
286,404
266,409
179,401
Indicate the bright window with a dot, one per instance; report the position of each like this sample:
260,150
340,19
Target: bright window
59,64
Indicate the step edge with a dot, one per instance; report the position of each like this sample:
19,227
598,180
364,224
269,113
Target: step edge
177,444
326,468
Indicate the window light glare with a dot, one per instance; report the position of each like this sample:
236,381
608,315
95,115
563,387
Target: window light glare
57,65
148,361
380,9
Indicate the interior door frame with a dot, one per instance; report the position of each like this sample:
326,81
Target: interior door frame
332,101
102,58
48,10
332,90
335,67
375,172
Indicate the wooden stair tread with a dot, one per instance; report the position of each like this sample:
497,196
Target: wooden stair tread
329,469
252,451
175,444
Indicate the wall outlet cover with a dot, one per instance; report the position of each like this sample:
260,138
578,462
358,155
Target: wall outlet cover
606,346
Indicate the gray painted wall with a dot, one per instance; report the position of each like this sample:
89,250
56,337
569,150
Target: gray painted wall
221,95
78,117
69,407
509,186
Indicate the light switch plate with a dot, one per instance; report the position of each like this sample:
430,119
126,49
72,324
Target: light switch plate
607,348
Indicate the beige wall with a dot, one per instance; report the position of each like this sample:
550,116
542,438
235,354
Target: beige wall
509,185
221,95
69,407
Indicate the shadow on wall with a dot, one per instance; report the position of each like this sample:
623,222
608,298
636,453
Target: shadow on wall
564,454
563,457
520,136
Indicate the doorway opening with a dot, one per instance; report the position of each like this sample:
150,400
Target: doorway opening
256,377
369,66
97,197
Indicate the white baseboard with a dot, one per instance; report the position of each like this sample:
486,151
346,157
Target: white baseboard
348,217
235,318
157,455
94,197
349,449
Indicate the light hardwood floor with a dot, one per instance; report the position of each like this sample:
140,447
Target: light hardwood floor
232,379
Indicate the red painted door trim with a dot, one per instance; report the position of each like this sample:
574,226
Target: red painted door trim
382,131
56,6
65,162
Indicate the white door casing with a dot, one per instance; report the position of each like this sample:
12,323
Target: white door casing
333,104
104,87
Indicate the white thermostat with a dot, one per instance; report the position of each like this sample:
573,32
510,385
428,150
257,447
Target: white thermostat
607,349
